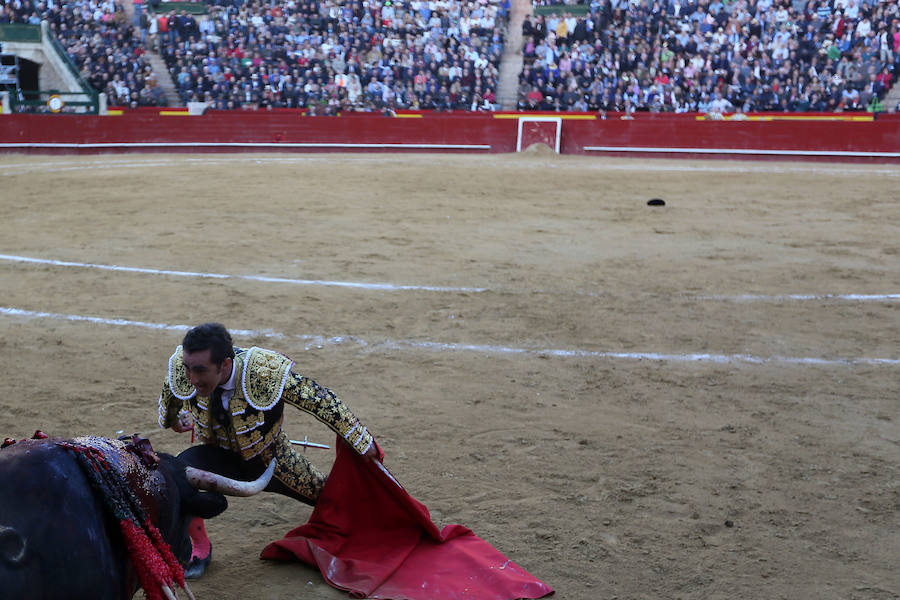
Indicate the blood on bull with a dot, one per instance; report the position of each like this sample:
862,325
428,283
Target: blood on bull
99,518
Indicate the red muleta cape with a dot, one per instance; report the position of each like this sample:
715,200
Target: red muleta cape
368,536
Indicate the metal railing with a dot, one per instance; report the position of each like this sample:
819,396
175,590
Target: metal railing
89,92
20,32
53,102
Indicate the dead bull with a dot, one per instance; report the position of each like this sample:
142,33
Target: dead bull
63,535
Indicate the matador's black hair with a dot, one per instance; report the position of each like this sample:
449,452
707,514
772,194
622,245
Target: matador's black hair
209,336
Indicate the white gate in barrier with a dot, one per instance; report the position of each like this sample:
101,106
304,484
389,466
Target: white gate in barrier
539,130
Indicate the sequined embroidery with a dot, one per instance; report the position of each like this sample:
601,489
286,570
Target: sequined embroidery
264,376
255,425
178,380
294,470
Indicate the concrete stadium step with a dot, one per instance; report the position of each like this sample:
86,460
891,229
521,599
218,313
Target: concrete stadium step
163,78
160,70
511,62
892,98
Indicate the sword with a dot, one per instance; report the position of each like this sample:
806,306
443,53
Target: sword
307,444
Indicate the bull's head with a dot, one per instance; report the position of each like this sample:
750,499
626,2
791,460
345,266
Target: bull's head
81,479
200,494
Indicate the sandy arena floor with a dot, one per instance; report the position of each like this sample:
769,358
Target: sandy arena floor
597,387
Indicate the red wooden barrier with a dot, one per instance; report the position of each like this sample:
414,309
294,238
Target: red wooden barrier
863,139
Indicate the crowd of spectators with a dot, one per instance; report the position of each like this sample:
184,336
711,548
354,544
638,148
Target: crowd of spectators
323,55
100,39
712,56
330,55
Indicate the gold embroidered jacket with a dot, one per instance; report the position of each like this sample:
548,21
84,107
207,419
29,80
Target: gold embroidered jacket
264,381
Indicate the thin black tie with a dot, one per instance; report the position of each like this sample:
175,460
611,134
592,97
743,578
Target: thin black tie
216,408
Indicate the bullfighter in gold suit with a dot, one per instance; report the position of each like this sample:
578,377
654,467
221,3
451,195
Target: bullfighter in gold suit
233,398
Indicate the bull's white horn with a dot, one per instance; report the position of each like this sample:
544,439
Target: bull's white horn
213,482
188,591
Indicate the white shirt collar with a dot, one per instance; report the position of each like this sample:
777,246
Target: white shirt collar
229,385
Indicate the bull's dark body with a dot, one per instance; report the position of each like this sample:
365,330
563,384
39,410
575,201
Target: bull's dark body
72,548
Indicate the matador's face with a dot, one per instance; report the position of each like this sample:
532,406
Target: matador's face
203,374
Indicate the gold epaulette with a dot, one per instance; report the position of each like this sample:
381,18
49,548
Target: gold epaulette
264,376
178,380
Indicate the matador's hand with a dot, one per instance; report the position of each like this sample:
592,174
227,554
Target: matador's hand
372,452
184,422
